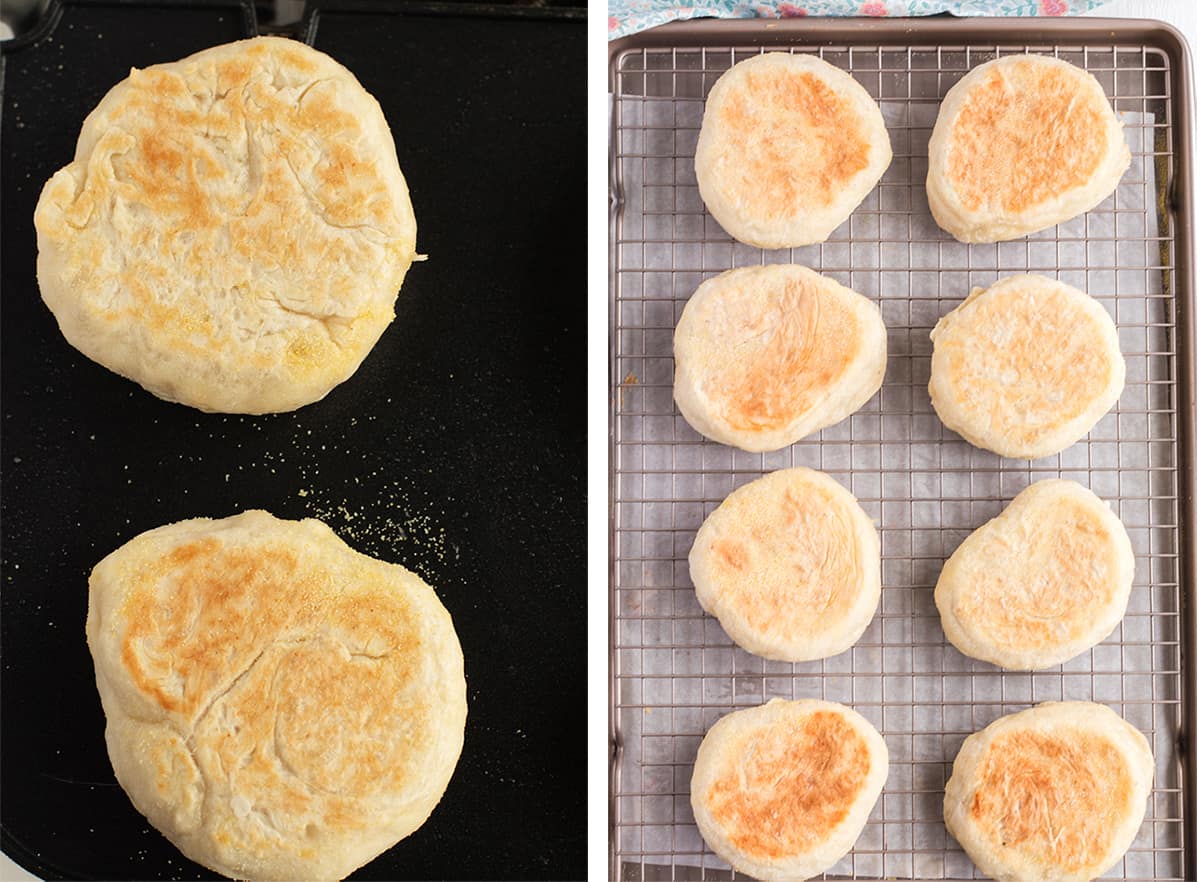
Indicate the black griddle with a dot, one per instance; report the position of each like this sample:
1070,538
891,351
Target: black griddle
457,449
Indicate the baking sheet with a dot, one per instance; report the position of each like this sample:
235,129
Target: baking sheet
675,671
457,449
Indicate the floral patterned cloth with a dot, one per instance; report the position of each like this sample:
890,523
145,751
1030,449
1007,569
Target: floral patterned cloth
630,16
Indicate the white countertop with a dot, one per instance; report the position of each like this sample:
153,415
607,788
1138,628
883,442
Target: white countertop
1180,13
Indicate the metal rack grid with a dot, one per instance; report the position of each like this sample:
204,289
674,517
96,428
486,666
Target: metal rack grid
675,671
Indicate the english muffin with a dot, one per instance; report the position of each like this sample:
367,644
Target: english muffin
789,146
1055,793
1044,581
766,355
233,230
789,564
1020,144
782,791
278,705
1026,367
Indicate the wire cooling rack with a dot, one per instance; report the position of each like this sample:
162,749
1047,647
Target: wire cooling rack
674,670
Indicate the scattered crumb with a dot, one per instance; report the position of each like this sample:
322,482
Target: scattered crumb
630,380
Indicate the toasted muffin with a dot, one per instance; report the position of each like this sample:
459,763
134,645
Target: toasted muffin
782,791
1020,144
1055,793
233,230
278,705
1044,581
789,564
1026,367
767,355
789,146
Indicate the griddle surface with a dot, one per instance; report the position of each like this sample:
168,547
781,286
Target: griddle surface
457,449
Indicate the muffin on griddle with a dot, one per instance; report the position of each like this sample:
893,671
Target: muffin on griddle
233,230
278,705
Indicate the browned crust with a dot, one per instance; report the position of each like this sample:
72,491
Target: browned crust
1025,135
794,786
1056,798
1055,603
810,341
791,140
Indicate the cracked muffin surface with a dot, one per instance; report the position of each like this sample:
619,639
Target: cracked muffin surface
277,704
233,230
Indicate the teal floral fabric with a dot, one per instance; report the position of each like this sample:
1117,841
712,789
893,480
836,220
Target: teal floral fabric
630,16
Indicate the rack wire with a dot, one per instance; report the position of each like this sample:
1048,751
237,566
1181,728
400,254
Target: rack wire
675,671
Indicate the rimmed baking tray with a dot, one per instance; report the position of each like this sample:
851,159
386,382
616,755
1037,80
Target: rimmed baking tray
457,449
673,670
